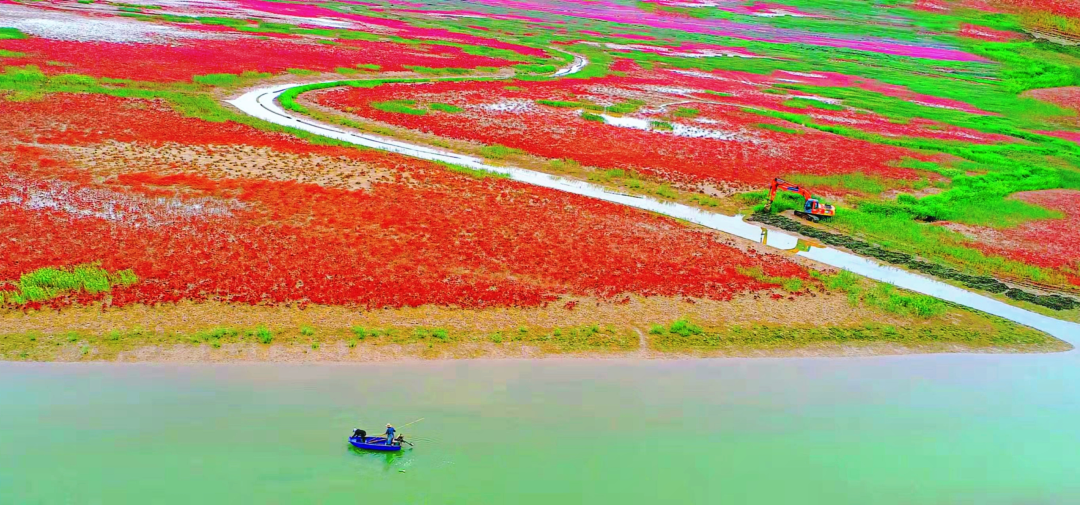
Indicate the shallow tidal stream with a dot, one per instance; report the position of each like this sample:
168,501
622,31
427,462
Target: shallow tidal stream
940,429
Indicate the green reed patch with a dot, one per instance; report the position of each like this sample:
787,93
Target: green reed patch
49,283
499,151
688,337
399,107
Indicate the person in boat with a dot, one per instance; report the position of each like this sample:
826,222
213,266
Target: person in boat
389,434
361,434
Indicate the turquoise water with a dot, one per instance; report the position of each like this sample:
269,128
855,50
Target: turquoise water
898,430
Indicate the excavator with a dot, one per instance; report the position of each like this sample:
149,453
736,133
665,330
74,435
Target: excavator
813,210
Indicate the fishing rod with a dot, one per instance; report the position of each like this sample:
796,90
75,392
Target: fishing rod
406,424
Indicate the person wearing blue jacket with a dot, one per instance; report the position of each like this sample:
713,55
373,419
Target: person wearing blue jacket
389,434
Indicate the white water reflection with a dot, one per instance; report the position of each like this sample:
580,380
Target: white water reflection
261,103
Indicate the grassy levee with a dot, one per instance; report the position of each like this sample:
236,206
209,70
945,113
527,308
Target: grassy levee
683,336
980,282
418,341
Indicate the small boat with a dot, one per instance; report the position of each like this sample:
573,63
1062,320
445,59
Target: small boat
374,444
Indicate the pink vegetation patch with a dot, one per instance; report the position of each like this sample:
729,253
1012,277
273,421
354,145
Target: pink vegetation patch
979,5
165,63
762,9
770,10
847,81
990,34
631,36
1073,136
1050,243
401,28
470,14
631,15
688,50
931,6
1068,97
1067,8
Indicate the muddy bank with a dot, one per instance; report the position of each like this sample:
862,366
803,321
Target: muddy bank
805,324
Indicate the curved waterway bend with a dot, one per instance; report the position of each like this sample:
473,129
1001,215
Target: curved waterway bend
579,63
262,103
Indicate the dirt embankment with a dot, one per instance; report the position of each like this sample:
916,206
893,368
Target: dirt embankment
811,324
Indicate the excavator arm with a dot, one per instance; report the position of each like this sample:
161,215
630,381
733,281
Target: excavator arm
812,209
780,184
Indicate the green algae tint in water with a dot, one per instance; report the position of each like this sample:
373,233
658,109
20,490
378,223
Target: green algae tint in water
909,430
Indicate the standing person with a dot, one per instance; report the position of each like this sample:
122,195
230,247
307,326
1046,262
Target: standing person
361,434
389,434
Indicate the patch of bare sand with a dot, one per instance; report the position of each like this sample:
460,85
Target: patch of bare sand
162,326
189,317
229,162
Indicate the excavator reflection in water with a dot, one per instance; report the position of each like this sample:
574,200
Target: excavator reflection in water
801,244
813,210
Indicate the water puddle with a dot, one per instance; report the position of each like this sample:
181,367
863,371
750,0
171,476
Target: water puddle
677,129
261,103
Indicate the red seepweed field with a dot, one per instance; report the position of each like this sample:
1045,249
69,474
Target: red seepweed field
719,143
429,237
148,211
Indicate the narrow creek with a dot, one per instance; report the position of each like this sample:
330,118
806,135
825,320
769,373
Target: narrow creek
262,103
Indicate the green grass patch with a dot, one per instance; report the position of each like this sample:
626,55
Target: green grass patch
445,107
806,103
399,107
264,335
439,71
885,297
686,112
498,152
661,126
49,283
626,107
735,338
226,80
564,165
588,116
857,181
778,128
473,172
788,284
571,105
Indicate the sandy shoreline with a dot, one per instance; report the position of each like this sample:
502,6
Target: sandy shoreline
809,324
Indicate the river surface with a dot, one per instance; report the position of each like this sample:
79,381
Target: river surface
945,429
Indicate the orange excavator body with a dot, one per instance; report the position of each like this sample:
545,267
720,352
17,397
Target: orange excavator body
813,209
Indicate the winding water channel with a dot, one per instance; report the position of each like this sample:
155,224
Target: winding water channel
262,103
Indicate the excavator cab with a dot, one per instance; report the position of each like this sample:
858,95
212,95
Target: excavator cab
814,210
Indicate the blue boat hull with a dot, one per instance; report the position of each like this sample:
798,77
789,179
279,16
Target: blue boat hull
374,444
